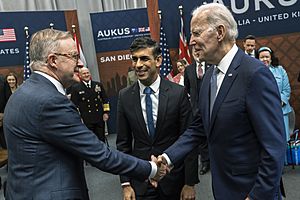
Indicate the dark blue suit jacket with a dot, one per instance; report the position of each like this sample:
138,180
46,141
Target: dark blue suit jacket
174,116
47,142
245,133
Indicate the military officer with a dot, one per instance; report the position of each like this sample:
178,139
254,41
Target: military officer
91,99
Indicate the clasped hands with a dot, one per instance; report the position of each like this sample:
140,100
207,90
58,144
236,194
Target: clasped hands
162,169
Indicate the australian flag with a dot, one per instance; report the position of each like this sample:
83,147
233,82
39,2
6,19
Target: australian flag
166,66
27,70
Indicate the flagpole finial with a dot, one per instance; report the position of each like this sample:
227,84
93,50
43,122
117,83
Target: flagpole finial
180,7
26,30
51,25
73,28
159,14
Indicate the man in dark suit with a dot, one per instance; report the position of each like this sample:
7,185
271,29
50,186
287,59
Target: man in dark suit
239,113
193,75
46,139
91,100
171,113
249,44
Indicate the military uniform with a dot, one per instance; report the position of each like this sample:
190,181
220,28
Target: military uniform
92,103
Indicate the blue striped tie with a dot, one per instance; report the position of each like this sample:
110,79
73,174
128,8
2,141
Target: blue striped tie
148,91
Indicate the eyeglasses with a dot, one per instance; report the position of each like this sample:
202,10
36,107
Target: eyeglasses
74,56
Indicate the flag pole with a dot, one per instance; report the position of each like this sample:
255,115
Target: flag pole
51,25
180,7
26,31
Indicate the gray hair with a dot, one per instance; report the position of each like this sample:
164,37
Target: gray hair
218,14
43,43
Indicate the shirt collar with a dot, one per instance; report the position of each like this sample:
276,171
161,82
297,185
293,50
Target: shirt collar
89,82
55,82
154,86
227,59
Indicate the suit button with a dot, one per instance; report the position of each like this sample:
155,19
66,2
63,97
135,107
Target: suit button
88,100
97,110
96,105
96,99
89,106
90,111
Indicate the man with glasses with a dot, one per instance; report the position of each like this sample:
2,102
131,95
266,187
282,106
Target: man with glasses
91,99
46,139
239,113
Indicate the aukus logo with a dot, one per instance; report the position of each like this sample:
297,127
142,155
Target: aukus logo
113,32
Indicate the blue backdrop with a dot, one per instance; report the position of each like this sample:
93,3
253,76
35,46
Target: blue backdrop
12,53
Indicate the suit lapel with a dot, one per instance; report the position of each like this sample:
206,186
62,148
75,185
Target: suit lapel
135,93
162,106
229,78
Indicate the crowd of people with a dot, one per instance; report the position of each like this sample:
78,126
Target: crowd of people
230,106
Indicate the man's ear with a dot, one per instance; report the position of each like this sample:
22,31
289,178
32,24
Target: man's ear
51,60
221,30
158,61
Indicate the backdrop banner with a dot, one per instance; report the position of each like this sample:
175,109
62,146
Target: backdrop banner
275,23
13,39
113,33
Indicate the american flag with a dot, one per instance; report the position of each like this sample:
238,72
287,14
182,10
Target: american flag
27,70
7,35
183,47
166,66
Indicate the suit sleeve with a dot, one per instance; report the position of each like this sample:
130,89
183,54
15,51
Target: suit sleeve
124,136
191,161
62,128
264,108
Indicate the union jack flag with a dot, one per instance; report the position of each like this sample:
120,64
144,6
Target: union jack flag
183,47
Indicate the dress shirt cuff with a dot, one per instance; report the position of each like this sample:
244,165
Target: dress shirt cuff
153,169
167,159
125,184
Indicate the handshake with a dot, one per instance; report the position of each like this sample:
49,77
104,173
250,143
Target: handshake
162,169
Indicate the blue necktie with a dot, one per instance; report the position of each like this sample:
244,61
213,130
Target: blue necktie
213,88
148,91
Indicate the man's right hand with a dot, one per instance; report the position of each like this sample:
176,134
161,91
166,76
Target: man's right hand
128,193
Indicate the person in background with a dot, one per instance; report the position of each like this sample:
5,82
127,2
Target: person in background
249,44
152,113
193,77
266,55
92,102
239,113
179,78
12,81
131,76
46,139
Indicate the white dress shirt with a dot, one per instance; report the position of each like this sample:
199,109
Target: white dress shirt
224,65
55,82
